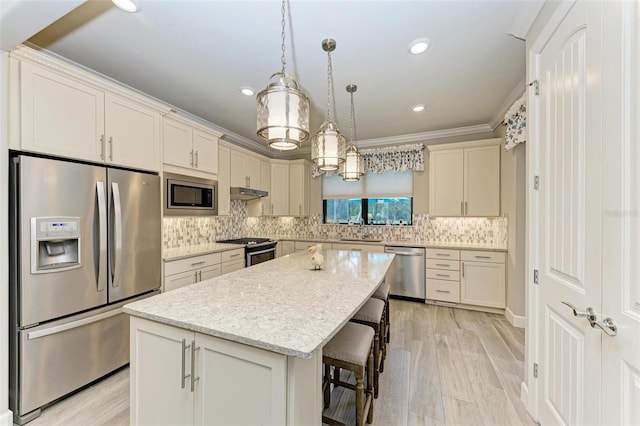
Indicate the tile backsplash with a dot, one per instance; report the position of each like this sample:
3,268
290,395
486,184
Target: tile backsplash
185,231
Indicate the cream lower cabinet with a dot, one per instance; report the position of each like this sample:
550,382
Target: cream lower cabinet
187,378
286,247
482,280
358,247
443,275
190,270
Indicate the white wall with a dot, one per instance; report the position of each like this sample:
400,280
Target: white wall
6,417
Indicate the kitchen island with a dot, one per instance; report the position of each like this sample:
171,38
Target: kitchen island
246,347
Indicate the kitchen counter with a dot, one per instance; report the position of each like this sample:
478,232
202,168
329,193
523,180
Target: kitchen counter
283,305
188,251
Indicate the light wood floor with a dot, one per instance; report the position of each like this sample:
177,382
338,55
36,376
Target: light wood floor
444,367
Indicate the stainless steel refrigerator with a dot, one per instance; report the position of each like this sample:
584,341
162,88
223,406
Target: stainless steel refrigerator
84,240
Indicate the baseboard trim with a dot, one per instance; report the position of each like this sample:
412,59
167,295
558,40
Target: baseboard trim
6,419
518,321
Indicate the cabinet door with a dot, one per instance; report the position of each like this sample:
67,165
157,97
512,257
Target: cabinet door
446,183
280,189
133,134
60,116
239,176
224,181
253,172
171,282
482,284
235,265
209,272
315,195
482,181
205,151
265,185
288,247
298,190
239,384
160,360
177,144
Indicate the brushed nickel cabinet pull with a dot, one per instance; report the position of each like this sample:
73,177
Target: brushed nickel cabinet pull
483,257
442,264
198,263
111,148
184,366
196,159
194,379
443,275
443,254
443,291
102,147
191,158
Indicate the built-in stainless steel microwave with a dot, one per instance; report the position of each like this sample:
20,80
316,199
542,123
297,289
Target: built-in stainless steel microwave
189,196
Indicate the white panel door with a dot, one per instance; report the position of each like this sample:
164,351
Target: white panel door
205,147
60,116
569,219
446,184
621,199
133,134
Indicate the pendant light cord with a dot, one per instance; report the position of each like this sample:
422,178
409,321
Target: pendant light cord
352,119
329,86
284,64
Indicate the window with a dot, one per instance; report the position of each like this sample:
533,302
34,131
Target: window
378,198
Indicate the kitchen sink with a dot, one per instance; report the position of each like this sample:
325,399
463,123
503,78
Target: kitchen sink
363,240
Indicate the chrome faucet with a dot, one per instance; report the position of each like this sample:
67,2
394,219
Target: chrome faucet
362,234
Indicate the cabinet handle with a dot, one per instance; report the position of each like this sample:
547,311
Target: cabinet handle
300,209
102,147
271,209
234,255
462,208
184,366
462,269
198,263
199,276
443,275
443,254
442,264
443,291
194,379
196,159
483,257
466,209
191,158
111,148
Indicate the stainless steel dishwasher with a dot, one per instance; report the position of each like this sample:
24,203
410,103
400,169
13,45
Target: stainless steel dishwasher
406,276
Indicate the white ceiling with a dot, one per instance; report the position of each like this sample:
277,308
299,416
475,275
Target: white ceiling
196,55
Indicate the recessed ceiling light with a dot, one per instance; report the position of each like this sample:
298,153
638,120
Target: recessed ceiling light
247,91
419,45
418,108
126,5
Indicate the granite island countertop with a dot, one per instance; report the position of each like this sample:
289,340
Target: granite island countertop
282,305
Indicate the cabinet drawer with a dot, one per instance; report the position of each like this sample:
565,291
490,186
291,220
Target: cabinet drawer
234,254
189,263
440,274
448,291
433,253
232,266
483,256
451,265
359,247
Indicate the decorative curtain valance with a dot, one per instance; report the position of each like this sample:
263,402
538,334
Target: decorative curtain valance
390,159
516,122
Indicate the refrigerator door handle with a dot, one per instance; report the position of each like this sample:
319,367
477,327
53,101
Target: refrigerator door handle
73,324
117,234
102,235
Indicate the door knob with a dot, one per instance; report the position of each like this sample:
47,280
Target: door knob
607,325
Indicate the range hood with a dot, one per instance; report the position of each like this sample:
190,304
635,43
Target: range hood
240,193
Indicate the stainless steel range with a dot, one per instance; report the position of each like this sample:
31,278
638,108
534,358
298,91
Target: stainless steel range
256,250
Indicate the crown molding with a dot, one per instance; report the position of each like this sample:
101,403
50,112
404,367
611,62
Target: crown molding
424,136
517,91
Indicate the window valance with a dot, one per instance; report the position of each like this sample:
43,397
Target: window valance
516,121
390,159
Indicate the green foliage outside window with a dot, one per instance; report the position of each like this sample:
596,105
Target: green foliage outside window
377,211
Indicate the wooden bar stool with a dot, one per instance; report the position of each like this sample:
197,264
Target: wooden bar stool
382,293
351,349
372,314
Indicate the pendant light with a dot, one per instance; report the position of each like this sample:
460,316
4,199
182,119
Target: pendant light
328,146
353,166
283,110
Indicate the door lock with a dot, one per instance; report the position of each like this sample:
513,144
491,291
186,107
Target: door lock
607,325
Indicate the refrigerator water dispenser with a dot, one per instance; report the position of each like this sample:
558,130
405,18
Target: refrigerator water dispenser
55,244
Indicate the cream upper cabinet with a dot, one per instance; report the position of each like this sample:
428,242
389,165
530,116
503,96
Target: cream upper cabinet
279,189
464,179
245,170
63,115
189,147
299,175
262,206
224,181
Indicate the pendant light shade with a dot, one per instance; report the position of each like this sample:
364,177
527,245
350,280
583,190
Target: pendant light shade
283,113
353,166
328,146
283,110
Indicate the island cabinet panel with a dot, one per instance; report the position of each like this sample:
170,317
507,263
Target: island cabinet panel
233,384
160,391
239,385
